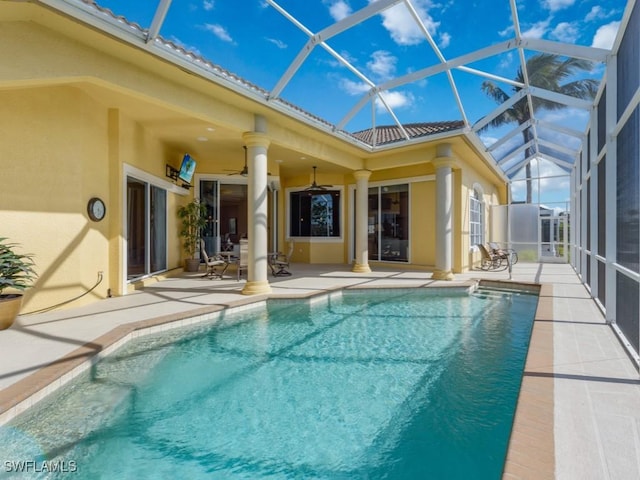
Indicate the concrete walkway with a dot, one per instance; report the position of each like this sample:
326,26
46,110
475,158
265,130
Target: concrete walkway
577,417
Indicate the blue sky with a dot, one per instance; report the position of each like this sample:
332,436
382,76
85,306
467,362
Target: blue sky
254,40
259,44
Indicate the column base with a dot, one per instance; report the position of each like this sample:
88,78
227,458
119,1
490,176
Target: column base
442,275
361,268
256,288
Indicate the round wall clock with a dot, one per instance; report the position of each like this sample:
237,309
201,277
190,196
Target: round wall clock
96,209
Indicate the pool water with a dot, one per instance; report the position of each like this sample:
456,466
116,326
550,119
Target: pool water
385,384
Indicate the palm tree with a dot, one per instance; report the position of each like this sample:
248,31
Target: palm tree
545,71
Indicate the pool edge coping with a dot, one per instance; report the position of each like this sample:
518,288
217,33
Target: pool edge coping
531,449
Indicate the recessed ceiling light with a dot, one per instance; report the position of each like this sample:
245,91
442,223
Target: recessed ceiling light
279,160
202,139
210,129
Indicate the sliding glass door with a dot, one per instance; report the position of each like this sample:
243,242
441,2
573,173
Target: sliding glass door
226,204
146,228
388,224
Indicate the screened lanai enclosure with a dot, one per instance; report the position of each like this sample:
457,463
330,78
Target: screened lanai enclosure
556,110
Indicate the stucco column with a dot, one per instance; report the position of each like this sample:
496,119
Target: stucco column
257,144
361,264
444,213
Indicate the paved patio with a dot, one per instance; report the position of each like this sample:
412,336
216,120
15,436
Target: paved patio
577,416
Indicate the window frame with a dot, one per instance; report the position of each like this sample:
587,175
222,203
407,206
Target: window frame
316,239
476,217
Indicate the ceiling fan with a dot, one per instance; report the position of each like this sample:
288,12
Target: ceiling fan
245,171
314,187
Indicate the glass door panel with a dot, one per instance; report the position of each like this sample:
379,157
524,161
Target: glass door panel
388,223
372,224
158,226
211,233
394,222
136,232
146,228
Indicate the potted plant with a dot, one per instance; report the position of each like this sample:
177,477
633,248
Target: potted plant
16,273
194,219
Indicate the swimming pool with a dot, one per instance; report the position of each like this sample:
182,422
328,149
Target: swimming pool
377,384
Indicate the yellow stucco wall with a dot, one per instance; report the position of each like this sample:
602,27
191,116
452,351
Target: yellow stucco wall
60,148
423,223
54,152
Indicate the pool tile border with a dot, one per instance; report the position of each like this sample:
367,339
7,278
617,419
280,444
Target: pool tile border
531,452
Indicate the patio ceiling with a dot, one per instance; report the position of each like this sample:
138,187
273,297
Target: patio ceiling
554,139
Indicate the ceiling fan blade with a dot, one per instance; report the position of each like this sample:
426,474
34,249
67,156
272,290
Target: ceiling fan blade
315,187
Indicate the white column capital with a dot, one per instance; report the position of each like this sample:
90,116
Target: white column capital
444,162
256,139
361,174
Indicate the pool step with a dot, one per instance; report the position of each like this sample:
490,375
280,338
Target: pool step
485,293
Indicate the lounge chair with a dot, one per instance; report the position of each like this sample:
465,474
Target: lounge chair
490,260
508,254
216,265
280,262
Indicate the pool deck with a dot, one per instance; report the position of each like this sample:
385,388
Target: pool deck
578,414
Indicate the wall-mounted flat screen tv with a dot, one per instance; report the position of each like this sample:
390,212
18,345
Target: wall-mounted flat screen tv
187,168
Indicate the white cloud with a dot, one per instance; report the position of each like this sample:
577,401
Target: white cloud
208,4
278,43
488,140
555,5
596,13
353,88
552,191
395,100
507,32
382,64
537,30
445,40
565,32
575,118
339,9
401,25
219,31
506,61
606,35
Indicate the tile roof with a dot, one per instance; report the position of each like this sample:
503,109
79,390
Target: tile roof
386,134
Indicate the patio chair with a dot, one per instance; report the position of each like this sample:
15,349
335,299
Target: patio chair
505,253
490,260
280,262
243,259
216,265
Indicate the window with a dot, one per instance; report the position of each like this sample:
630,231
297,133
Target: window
314,213
476,218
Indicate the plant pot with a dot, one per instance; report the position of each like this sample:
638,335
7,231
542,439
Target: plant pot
192,265
9,308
